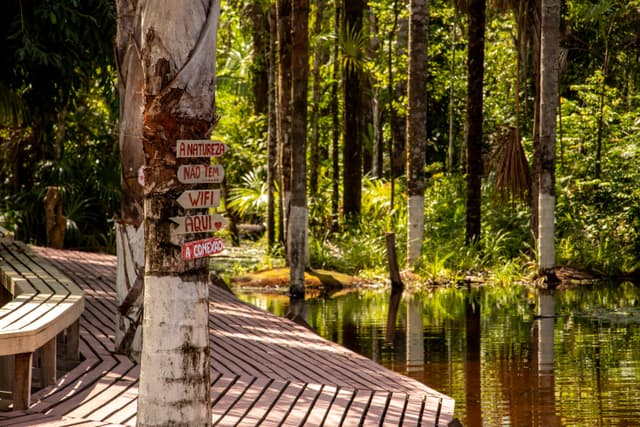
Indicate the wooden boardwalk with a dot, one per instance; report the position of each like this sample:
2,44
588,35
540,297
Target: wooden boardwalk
266,370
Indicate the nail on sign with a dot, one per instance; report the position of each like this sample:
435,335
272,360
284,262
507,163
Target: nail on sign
198,223
200,148
200,174
193,199
202,248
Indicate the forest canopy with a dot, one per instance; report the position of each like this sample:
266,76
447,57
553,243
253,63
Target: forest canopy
59,110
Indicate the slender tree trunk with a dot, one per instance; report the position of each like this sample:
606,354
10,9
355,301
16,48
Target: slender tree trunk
397,121
298,216
474,118
283,16
377,141
549,74
416,127
178,53
452,68
260,36
129,228
534,10
318,57
272,137
352,141
335,124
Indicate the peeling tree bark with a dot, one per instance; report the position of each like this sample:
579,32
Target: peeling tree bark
129,229
178,57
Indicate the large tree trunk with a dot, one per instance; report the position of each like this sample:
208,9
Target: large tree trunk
352,143
298,215
178,52
416,127
283,16
474,118
130,229
549,66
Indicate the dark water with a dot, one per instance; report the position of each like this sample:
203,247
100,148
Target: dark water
509,356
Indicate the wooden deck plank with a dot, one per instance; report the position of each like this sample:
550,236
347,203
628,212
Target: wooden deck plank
322,404
283,405
339,407
231,396
302,406
377,407
432,409
395,410
263,404
240,408
358,408
414,411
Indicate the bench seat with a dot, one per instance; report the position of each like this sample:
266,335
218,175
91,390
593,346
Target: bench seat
44,304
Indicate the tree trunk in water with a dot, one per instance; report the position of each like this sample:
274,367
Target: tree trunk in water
416,127
549,73
474,119
130,229
283,16
352,142
178,51
298,216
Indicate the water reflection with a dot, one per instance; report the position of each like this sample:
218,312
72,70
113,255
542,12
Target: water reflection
509,356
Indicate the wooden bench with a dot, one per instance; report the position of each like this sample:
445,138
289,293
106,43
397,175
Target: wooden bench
44,306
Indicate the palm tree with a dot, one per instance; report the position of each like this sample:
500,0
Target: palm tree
352,135
178,50
416,126
297,237
283,18
549,73
475,65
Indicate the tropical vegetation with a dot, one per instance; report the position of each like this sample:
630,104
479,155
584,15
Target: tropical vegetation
59,111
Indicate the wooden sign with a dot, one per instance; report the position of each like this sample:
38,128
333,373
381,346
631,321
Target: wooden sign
202,248
198,223
200,174
200,148
193,199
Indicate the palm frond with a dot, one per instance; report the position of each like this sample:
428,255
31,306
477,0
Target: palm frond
511,168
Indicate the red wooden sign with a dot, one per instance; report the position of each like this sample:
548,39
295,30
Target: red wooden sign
194,199
198,223
202,248
200,174
200,148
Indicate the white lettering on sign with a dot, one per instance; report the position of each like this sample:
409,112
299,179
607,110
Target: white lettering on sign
193,199
198,223
200,174
200,148
202,248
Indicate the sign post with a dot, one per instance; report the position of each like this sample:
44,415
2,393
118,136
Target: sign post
200,199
